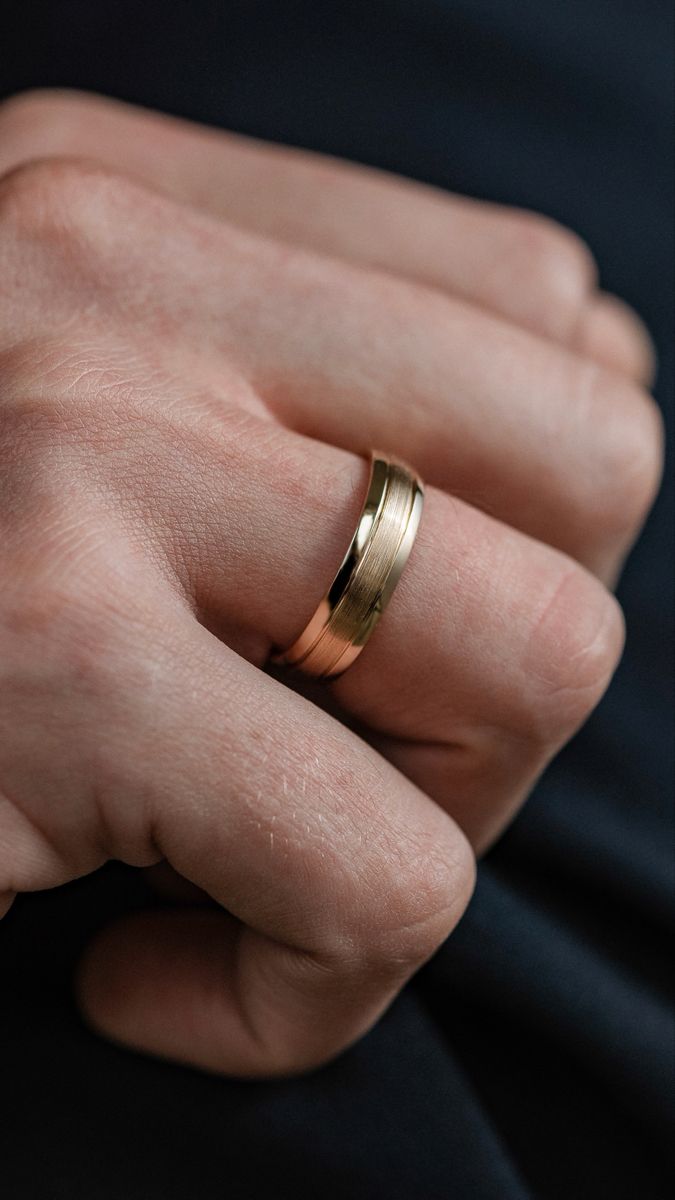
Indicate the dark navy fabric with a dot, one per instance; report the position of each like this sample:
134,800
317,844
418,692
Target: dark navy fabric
533,1057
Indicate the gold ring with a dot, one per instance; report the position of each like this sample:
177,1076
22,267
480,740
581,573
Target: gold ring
369,572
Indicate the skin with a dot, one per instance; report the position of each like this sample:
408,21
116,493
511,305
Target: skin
199,338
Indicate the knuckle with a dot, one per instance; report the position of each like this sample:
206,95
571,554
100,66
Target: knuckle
573,650
62,202
64,239
555,267
401,888
38,191
629,458
427,889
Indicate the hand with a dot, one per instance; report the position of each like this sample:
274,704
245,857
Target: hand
184,408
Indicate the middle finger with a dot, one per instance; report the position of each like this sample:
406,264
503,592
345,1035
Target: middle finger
548,442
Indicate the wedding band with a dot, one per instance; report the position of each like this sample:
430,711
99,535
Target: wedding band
370,570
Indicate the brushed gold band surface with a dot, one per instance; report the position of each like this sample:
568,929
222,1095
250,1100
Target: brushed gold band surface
370,570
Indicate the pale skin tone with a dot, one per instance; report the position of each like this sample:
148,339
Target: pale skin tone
199,338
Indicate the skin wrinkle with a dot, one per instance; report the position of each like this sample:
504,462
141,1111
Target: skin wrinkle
610,625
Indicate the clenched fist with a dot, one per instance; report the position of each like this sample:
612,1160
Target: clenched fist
200,338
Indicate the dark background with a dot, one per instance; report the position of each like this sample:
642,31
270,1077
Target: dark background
533,1057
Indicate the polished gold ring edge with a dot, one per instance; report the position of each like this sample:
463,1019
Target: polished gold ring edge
325,648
